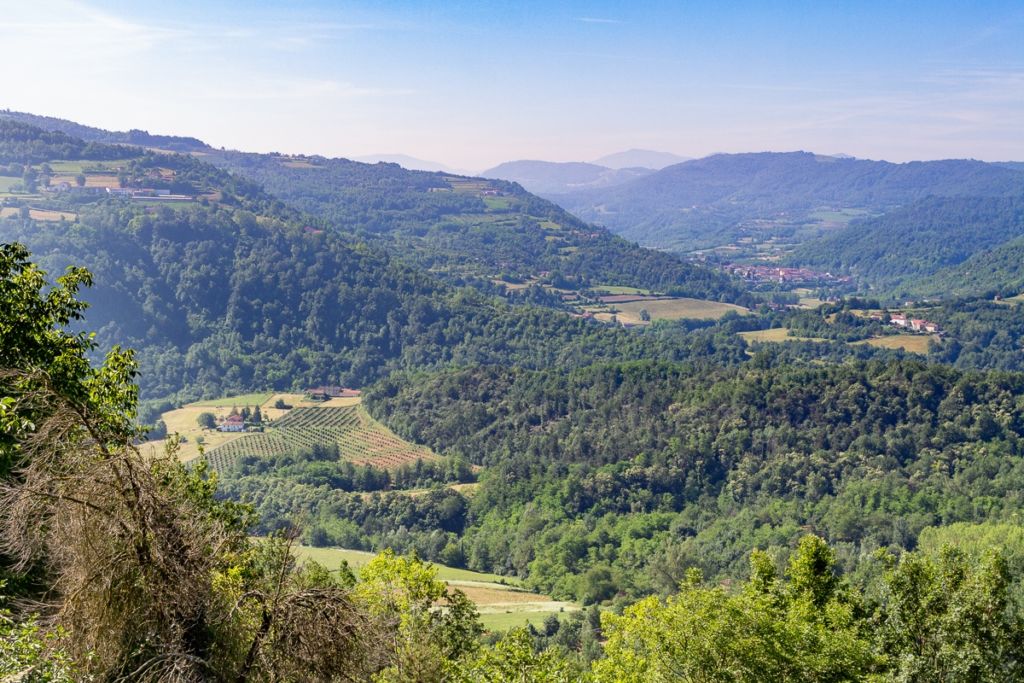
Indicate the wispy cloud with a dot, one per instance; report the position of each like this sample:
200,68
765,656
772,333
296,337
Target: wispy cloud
598,20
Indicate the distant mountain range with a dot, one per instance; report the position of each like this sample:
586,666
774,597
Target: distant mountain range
406,161
711,201
640,158
549,178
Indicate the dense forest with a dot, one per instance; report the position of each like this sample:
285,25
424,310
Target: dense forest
149,577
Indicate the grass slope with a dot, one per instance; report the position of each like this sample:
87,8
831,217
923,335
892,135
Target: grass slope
501,600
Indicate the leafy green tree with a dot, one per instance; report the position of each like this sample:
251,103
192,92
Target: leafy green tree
802,629
513,660
206,420
951,621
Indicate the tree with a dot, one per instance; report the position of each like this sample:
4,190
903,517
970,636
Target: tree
804,629
148,576
80,180
206,420
947,619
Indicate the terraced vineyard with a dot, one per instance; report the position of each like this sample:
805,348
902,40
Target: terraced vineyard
360,439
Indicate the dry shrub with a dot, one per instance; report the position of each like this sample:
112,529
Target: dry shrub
151,578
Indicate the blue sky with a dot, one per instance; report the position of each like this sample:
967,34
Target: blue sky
473,84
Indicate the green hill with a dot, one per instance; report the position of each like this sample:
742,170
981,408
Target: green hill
928,247
718,199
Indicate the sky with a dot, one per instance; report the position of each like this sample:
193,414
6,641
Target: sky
472,84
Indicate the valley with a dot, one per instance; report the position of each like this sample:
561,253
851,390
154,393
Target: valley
555,429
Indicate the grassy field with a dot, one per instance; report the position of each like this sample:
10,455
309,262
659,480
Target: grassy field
914,343
777,334
619,289
257,399
7,182
502,602
332,557
74,167
497,203
670,309
40,214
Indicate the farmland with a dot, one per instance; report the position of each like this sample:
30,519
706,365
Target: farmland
501,601
774,335
40,214
256,399
667,309
914,343
360,439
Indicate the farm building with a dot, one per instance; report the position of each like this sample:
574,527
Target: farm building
232,423
328,392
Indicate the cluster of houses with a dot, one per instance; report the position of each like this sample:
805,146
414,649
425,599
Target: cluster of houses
124,192
913,324
789,276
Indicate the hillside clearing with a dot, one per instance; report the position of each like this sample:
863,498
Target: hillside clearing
914,343
668,309
775,335
500,600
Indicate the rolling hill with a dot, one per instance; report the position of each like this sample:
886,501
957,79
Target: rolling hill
227,289
640,158
715,200
549,178
135,137
470,230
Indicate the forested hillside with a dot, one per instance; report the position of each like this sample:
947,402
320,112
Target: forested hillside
137,137
925,247
234,290
714,200
613,480
470,229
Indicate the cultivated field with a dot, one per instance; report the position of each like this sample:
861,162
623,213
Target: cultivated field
183,420
40,214
668,309
501,601
619,289
257,399
776,334
914,343
360,439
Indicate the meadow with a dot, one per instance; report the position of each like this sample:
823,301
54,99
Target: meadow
774,335
668,309
914,343
40,214
501,600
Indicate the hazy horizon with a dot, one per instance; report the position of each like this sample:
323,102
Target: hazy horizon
472,85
